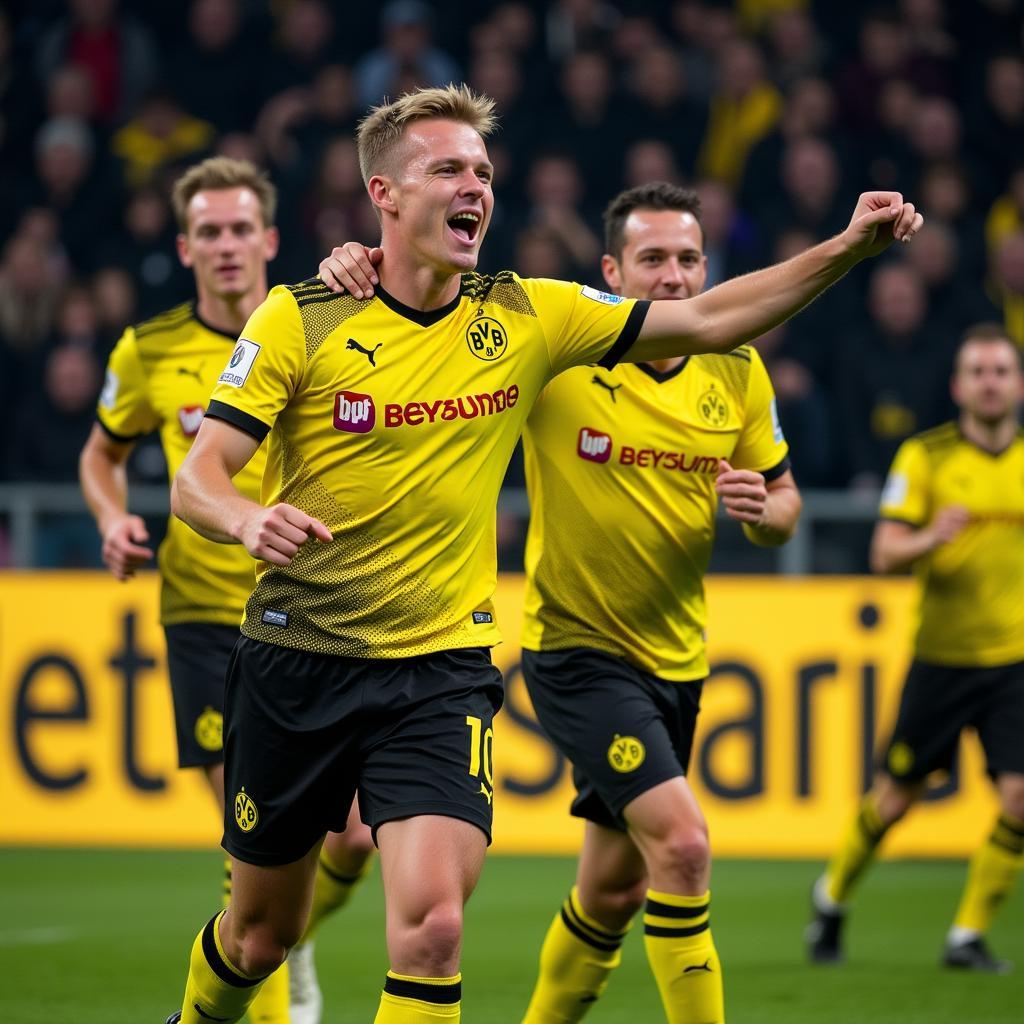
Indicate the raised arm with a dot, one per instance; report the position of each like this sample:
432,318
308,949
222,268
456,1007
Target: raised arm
740,310
204,496
101,473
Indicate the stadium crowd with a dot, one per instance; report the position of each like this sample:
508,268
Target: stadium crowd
776,111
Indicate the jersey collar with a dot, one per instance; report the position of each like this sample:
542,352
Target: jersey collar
660,377
208,326
425,318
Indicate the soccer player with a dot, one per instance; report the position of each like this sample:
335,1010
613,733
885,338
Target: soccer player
364,658
625,468
159,377
953,510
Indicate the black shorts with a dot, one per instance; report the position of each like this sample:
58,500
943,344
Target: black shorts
939,702
304,732
624,730
197,663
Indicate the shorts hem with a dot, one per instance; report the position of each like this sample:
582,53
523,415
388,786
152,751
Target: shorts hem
630,795
418,810
215,757
264,860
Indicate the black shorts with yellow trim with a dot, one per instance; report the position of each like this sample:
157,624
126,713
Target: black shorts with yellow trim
939,702
197,664
304,732
624,730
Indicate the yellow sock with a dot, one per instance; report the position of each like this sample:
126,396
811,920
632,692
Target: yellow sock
577,956
331,891
216,989
407,1000
991,875
271,1003
859,846
677,934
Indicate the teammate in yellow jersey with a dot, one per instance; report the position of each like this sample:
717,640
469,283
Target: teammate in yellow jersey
159,377
364,658
625,468
953,510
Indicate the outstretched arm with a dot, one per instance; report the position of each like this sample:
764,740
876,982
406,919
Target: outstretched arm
204,497
740,310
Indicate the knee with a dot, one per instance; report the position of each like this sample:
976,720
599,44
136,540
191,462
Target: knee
359,841
1012,801
686,855
615,906
262,949
436,939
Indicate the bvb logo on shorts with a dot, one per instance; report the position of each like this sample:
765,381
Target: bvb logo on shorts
209,729
713,408
900,759
246,815
486,339
626,754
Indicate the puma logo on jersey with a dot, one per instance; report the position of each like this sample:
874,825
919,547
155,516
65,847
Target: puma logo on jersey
354,346
610,388
184,371
593,445
706,966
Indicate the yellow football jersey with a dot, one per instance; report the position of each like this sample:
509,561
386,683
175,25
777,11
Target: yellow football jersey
621,468
159,377
394,427
972,589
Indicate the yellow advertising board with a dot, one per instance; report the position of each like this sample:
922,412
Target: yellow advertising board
805,679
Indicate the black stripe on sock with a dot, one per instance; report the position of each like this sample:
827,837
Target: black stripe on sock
440,994
1011,826
607,947
599,933
667,910
675,933
342,879
1011,842
872,835
216,961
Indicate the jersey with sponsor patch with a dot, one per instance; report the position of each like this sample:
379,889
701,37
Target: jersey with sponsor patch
621,468
394,427
159,378
971,609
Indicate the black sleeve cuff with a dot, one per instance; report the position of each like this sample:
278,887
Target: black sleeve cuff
630,332
120,438
897,519
229,414
776,471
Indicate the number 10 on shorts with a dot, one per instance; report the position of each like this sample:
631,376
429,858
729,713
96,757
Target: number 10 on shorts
481,747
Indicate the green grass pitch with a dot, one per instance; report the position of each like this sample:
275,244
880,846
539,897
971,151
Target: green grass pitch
91,937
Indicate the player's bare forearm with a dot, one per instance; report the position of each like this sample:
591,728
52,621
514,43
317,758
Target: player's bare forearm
102,477
738,311
781,514
895,547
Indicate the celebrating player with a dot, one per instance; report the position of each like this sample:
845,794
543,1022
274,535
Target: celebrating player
363,662
953,510
160,377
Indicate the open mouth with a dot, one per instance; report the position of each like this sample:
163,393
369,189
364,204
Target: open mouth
465,226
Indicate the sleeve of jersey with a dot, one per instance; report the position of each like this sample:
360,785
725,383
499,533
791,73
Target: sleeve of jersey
583,325
264,369
905,494
123,410
761,445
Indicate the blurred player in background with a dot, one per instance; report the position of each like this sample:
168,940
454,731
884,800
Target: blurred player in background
159,377
953,510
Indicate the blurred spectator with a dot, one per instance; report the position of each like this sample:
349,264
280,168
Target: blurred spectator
114,293
554,194
1006,286
888,157
28,294
796,48
539,253
215,74
303,44
158,137
1006,217
145,247
69,93
498,75
649,160
744,110
587,117
407,55
945,195
575,25
113,47
998,126
721,223
936,137
955,299
657,80
701,30
892,379
883,55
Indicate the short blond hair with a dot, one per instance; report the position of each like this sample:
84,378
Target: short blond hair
381,129
219,173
